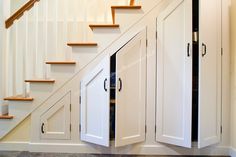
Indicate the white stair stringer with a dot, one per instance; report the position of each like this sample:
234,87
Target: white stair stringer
109,41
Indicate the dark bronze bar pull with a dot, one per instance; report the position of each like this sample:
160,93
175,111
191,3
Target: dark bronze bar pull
204,49
120,84
105,83
42,128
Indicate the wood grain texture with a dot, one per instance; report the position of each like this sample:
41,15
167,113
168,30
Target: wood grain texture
20,12
92,26
18,98
61,62
82,44
6,117
40,81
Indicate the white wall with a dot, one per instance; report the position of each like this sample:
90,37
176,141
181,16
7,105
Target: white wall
233,73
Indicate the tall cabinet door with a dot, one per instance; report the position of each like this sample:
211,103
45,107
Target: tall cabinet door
95,101
131,92
174,74
210,72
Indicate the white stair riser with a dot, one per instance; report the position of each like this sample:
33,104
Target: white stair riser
3,108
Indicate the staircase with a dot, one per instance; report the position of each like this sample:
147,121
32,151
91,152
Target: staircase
43,74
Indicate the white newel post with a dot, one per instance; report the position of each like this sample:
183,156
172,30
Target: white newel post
4,14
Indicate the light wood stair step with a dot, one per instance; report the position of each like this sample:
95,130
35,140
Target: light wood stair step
40,81
113,8
82,44
113,101
126,7
6,117
18,98
61,62
110,26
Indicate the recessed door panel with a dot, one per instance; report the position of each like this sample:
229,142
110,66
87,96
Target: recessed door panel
131,92
174,74
95,101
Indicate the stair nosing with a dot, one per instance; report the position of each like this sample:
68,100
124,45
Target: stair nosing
61,62
40,81
127,7
92,26
15,98
2,117
82,44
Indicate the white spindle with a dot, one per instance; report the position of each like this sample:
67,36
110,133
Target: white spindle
25,58
46,36
14,60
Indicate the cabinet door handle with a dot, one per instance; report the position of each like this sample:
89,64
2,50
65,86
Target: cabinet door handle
188,50
42,128
105,84
204,49
120,84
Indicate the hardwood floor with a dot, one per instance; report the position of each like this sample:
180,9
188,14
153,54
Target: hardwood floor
27,154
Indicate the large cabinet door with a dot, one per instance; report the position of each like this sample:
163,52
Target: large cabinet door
174,74
59,113
131,92
95,101
209,72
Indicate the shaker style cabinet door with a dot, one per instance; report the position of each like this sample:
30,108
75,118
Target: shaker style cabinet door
209,72
174,74
95,101
131,92
57,114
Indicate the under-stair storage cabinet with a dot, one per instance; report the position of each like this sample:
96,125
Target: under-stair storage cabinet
189,73
56,122
130,93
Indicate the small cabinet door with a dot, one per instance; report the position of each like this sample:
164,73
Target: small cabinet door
95,101
131,92
55,123
209,72
174,74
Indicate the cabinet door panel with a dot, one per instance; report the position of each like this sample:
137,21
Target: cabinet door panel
174,74
131,92
210,72
95,103
57,114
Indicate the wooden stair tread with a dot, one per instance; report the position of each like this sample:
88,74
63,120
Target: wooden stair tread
6,117
61,62
40,81
18,98
82,44
92,26
127,7
113,101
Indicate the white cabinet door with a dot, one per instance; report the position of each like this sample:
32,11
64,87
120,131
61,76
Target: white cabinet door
55,123
131,92
209,72
174,74
95,101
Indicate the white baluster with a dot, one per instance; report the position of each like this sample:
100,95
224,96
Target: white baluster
46,36
25,52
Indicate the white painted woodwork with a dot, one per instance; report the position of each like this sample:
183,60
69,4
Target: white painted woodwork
56,121
174,75
210,73
95,101
131,97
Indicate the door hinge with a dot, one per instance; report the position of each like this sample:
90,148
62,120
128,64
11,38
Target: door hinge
221,129
222,51
156,34
145,128
79,127
70,108
146,42
79,99
155,128
70,127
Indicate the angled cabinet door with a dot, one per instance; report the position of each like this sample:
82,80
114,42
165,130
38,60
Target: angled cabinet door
174,74
131,92
95,101
55,123
209,72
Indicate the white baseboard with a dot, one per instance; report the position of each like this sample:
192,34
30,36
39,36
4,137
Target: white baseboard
14,146
232,152
133,149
